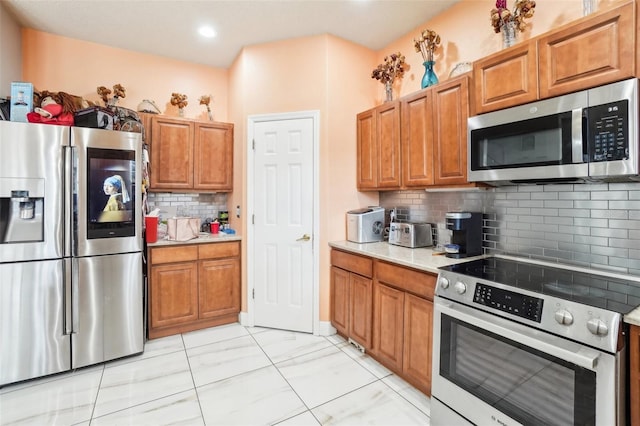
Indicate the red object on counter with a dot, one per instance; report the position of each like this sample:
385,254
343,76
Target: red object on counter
151,228
215,227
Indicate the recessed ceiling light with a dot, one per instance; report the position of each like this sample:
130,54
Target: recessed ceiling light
207,32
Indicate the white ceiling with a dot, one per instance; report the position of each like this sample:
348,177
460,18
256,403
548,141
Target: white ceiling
169,27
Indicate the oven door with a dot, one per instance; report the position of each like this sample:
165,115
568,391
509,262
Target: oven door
491,370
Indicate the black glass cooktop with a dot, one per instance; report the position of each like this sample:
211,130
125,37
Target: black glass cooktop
614,294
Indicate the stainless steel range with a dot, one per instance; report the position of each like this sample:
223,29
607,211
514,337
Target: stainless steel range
529,343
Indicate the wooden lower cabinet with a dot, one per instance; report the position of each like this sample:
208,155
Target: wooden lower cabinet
634,374
175,290
403,322
352,297
193,287
418,326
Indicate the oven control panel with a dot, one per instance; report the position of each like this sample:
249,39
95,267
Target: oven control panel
509,301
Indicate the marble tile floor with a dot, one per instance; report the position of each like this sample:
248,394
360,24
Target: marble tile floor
227,375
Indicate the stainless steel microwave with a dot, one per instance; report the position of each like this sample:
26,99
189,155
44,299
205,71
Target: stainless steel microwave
582,136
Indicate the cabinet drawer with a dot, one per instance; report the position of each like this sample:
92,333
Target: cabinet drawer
217,250
420,283
173,254
351,262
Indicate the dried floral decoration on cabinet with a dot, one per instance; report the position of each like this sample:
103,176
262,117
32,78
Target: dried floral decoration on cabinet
387,72
426,44
508,22
179,100
206,100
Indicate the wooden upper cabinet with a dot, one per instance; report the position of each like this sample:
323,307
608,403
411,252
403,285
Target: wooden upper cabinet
379,147
595,50
171,153
388,137
450,114
190,156
213,152
417,139
507,78
367,151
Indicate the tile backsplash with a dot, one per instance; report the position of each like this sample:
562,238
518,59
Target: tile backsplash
193,205
593,225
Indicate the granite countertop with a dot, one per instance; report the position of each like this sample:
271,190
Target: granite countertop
417,258
423,259
203,238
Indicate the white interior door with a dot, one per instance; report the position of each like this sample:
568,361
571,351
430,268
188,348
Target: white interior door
283,188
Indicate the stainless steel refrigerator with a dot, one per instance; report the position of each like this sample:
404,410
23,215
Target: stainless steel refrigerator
71,287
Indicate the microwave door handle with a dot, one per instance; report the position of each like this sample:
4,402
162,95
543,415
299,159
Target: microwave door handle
555,346
577,142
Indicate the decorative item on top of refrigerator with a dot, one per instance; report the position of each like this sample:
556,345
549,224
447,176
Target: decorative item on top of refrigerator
365,225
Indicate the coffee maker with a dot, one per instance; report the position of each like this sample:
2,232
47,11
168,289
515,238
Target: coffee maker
466,238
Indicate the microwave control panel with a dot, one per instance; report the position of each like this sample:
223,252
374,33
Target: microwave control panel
608,131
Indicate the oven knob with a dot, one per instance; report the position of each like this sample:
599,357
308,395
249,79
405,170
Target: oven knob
564,317
597,327
460,287
444,282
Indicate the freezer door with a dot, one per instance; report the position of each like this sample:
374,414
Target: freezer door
32,162
32,320
107,298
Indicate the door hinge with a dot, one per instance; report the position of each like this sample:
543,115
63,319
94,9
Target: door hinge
253,293
253,219
253,144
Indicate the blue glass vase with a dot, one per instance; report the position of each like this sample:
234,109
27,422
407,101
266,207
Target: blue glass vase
429,78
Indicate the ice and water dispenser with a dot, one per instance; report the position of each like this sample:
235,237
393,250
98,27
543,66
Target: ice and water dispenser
21,208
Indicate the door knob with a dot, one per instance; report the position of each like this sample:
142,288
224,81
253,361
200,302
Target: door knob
305,237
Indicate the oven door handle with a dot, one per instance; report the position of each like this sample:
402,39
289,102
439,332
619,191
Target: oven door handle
556,346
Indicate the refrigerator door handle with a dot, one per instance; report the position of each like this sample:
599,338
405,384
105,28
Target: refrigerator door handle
66,284
75,309
69,211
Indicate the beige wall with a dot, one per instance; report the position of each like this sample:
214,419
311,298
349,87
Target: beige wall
61,64
327,78
467,35
10,52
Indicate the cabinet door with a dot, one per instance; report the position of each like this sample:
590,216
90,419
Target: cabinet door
418,329
634,373
388,138
389,326
171,154
593,52
340,300
360,312
213,156
507,78
451,111
367,155
219,287
417,140
173,294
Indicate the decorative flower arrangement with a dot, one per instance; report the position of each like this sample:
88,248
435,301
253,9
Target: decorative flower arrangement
392,67
205,100
427,44
118,92
179,100
387,72
501,15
